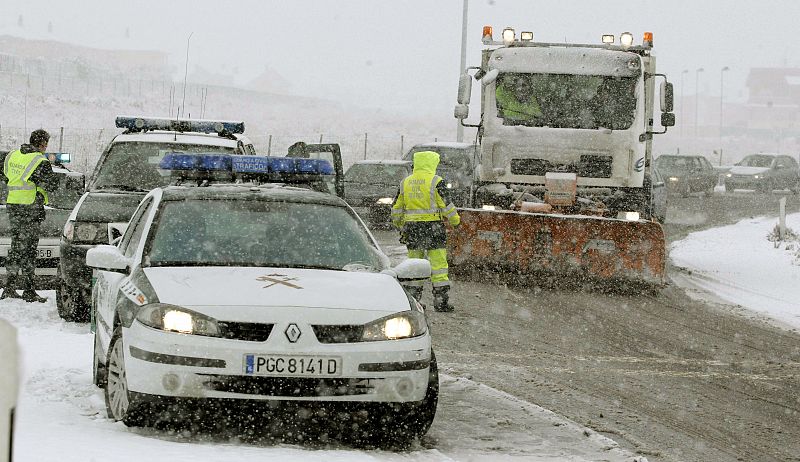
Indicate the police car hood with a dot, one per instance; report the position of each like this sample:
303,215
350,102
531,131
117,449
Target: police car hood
276,287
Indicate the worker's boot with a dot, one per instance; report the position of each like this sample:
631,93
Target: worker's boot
30,296
441,299
10,290
415,291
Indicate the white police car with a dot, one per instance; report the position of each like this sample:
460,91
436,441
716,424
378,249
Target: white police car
125,172
258,293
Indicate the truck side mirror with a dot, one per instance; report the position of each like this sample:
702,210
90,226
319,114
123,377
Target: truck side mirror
490,77
464,88
667,98
667,119
461,111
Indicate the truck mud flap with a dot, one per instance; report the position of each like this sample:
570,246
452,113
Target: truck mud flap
600,248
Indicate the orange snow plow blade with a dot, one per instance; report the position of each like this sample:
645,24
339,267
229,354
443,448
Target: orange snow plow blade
601,248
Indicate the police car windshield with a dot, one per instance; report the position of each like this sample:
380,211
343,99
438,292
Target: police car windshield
757,161
674,163
566,101
133,166
258,233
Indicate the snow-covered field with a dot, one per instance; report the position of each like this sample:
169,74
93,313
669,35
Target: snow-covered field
61,416
740,266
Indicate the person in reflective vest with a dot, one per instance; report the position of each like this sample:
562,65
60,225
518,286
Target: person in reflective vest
515,100
419,211
29,177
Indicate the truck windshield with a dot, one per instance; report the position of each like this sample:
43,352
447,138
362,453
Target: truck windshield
133,166
566,101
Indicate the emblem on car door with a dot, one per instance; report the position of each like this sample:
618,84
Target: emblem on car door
292,333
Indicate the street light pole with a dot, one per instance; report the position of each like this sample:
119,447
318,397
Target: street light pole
696,100
683,121
459,127
721,74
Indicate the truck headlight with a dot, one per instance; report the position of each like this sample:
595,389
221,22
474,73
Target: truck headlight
173,318
406,324
728,175
385,201
488,207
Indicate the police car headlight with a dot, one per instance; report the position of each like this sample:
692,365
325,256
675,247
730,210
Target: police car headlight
173,318
407,324
755,176
673,178
385,201
728,175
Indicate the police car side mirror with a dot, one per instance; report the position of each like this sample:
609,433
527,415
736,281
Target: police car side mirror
413,269
108,258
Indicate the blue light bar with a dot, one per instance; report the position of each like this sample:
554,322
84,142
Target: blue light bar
260,169
198,162
138,124
281,165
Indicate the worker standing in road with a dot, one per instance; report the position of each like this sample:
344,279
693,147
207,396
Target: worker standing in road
30,177
419,212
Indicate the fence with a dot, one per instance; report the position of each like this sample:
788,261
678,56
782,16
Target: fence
86,144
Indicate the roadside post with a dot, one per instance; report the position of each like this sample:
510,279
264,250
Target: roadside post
782,218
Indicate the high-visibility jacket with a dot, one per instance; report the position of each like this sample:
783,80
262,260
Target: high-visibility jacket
512,108
18,168
419,199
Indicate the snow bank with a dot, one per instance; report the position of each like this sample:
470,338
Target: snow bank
740,265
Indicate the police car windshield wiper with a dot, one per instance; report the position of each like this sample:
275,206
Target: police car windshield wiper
293,265
121,187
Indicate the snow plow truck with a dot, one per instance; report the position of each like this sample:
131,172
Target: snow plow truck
564,180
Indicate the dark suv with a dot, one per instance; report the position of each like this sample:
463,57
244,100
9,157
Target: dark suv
764,173
687,174
456,161
126,171
370,187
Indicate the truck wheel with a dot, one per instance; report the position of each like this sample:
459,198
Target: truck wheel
71,304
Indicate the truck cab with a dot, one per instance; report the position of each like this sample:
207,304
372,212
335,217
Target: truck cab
582,109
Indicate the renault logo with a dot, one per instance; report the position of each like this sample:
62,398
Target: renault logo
292,333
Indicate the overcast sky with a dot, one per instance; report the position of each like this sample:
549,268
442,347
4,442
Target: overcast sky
405,54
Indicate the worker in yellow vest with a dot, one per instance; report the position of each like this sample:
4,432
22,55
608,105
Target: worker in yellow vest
30,177
419,211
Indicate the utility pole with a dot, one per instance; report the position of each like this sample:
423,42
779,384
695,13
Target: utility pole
697,100
459,127
721,74
185,74
683,121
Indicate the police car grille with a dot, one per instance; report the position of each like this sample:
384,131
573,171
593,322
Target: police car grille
289,386
339,334
249,331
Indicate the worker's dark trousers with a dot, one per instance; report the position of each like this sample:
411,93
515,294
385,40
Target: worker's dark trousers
25,223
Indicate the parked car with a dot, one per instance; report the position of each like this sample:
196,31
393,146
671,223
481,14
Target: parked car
224,294
456,162
9,386
370,187
764,173
61,202
686,174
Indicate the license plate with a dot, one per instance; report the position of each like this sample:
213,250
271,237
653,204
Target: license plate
300,366
46,253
